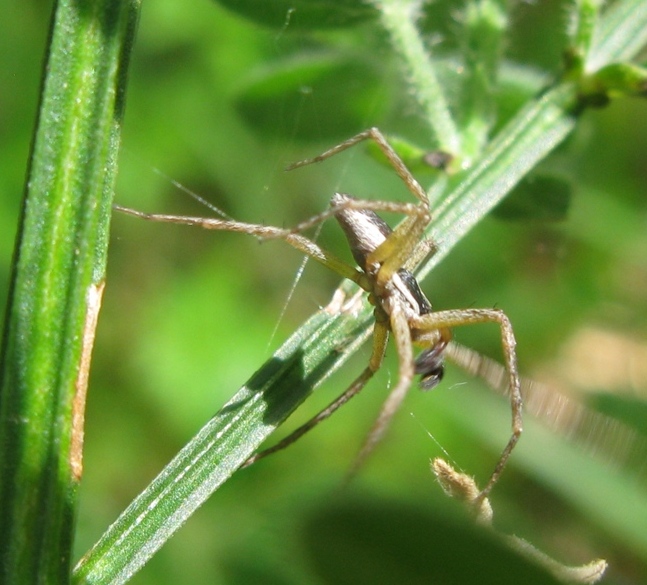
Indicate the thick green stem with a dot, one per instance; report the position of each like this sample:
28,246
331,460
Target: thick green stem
58,276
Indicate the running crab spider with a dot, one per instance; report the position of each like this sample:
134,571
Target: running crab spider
386,259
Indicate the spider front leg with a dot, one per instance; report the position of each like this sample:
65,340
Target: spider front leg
427,324
263,232
392,157
397,252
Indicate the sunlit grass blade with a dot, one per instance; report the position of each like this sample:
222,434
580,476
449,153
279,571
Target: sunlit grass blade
621,34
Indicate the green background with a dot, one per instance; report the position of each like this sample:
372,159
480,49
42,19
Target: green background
189,315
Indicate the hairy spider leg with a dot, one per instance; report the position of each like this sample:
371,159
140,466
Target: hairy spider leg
460,317
394,160
295,240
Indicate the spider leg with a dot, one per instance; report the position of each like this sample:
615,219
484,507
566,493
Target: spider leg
402,338
359,204
425,248
295,240
394,160
397,250
380,340
460,317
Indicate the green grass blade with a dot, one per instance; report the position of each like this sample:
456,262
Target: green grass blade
399,20
483,34
58,276
621,34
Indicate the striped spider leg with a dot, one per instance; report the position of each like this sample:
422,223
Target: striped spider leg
386,259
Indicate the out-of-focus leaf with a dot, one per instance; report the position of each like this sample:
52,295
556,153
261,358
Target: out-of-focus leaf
305,88
516,85
615,80
302,14
631,411
537,198
347,542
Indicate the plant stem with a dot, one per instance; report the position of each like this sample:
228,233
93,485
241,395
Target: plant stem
398,18
57,280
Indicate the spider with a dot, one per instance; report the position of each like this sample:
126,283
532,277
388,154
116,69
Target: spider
386,260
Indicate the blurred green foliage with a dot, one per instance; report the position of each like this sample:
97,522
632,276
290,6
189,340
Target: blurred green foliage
189,315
